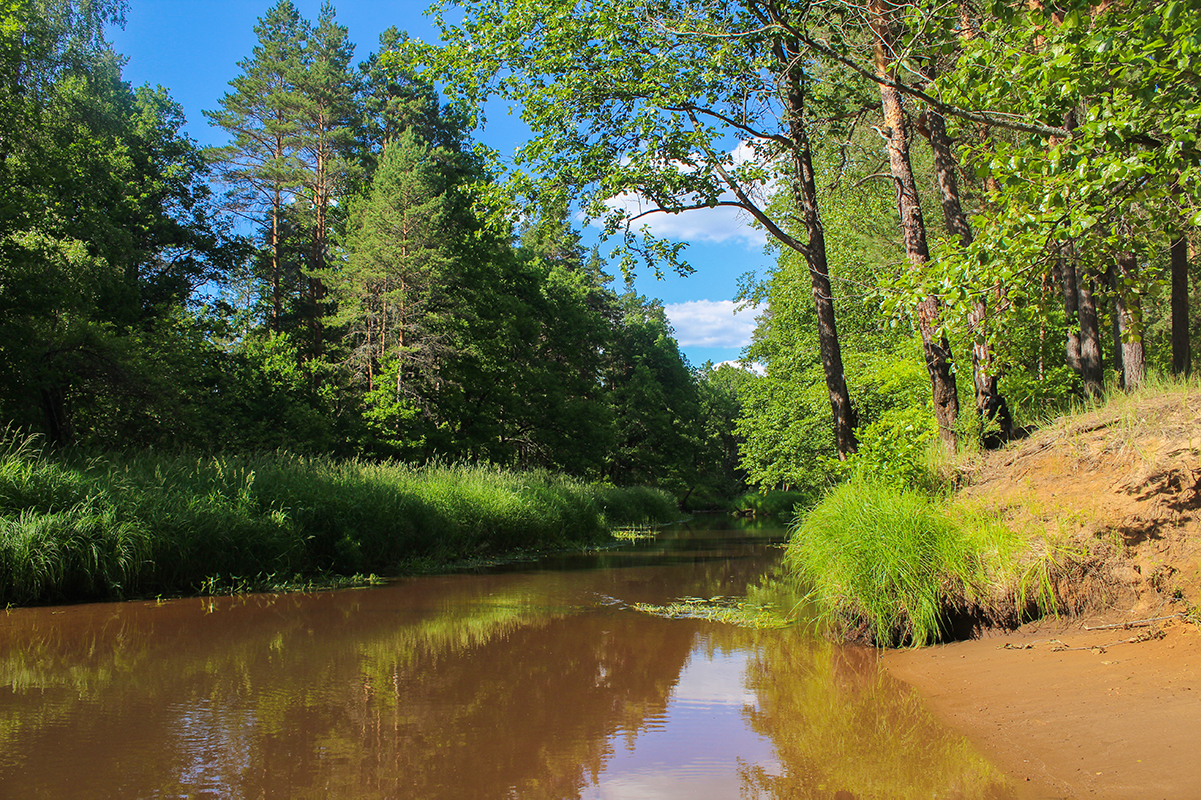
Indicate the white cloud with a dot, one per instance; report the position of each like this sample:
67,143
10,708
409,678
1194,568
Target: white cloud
711,323
720,225
755,367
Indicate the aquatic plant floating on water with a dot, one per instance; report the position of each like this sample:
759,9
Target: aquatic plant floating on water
730,610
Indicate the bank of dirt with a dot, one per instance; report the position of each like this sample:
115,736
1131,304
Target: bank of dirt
1105,700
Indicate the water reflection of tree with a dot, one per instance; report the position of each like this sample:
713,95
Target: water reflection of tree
841,726
488,689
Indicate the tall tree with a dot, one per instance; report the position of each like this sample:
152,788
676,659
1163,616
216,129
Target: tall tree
1125,113
913,227
388,292
659,108
262,163
327,116
105,229
395,99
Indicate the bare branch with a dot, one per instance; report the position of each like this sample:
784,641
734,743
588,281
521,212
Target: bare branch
689,108
748,205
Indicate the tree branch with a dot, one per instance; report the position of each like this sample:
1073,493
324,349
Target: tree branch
936,104
682,209
689,108
747,204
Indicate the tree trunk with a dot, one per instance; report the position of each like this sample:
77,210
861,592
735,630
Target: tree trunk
1115,331
1071,308
54,411
321,200
819,279
913,227
1130,322
805,198
990,403
276,246
1092,368
1182,357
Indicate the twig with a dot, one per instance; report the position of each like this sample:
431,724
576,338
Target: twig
1131,624
1101,648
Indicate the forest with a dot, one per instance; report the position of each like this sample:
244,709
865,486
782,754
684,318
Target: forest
993,203
981,212
341,279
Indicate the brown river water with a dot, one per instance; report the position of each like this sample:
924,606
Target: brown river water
532,681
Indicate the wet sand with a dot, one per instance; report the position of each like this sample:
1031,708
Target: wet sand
1120,720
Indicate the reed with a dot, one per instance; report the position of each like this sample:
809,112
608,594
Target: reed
146,523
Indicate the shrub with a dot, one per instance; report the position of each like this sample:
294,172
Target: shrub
894,449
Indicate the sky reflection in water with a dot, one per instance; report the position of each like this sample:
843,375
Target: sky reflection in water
528,683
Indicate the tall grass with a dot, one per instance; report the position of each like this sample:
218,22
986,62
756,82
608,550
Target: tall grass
880,555
889,564
146,523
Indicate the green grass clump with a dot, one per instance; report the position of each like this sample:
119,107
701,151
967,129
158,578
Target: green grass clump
883,557
148,523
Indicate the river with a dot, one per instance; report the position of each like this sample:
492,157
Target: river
540,680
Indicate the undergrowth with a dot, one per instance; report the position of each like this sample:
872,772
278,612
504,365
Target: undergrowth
141,524
895,556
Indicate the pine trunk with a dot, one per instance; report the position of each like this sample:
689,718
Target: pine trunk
913,227
321,200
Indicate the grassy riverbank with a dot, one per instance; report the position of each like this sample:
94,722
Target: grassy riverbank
140,524
1094,509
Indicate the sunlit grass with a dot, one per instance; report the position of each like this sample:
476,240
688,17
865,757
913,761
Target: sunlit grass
149,523
892,563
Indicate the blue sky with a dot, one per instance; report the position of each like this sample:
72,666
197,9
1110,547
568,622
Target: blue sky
192,47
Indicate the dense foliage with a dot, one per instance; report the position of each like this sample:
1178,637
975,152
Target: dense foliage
352,287
1062,262
366,281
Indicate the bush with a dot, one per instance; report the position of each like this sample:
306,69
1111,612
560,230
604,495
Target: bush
894,449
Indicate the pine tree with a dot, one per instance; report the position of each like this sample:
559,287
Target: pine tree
326,115
262,162
388,291
395,100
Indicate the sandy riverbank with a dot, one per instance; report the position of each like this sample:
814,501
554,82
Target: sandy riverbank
1072,712
1116,721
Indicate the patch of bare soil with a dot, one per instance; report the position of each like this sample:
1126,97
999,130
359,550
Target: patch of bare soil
1106,701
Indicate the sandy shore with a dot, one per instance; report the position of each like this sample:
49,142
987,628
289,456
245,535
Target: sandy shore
1119,720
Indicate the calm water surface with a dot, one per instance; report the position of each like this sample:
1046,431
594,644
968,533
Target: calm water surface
539,681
